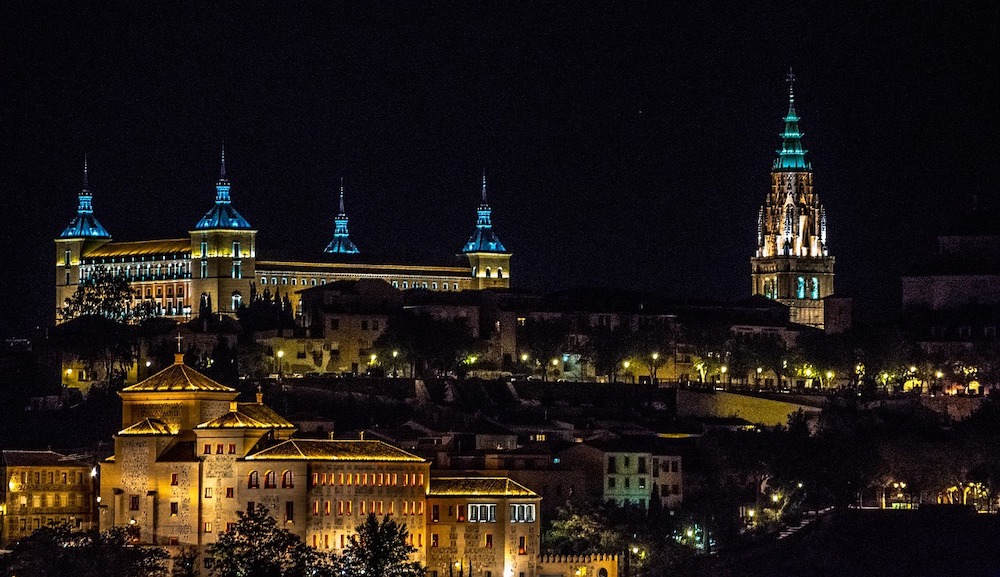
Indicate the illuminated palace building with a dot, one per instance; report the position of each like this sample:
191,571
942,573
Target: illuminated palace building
189,456
792,264
218,260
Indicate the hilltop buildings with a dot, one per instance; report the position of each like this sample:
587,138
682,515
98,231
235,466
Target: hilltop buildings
189,456
214,266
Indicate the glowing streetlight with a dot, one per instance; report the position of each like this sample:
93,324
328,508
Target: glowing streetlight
627,364
395,354
281,354
913,369
555,362
939,374
829,375
524,357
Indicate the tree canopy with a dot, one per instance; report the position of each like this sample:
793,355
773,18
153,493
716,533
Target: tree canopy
257,547
380,548
60,550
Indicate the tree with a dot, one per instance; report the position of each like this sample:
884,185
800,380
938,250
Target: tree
110,296
107,348
59,550
257,547
543,340
380,548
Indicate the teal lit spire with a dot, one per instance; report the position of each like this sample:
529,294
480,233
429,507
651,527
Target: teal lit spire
341,243
791,156
484,239
84,224
222,215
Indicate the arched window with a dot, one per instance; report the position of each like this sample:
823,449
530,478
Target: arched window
499,272
253,480
488,272
270,480
474,271
237,299
287,480
814,288
800,288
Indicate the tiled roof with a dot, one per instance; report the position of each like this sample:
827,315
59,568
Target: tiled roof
148,426
39,459
248,416
141,248
178,377
478,486
320,450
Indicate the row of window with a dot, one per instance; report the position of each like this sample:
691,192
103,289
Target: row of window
366,324
270,480
50,500
366,507
24,524
366,479
51,477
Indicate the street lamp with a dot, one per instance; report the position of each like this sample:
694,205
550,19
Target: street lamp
626,364
652,367
724,370
759,371
394,355
281,355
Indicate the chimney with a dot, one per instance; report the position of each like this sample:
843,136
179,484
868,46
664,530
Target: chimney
178,358
260,396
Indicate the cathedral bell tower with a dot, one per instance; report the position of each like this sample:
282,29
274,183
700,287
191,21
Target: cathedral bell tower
792,264
223,253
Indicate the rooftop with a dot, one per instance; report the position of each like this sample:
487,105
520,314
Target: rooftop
148,426
323,450
141,248
178,377
39,459
478,486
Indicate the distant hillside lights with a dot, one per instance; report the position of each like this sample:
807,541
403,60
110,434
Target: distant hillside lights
217,262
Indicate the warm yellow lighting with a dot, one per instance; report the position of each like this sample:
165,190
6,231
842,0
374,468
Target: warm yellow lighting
760,370
627,364
829,374
524,357
885,376
809,372
724,369
69,372
800,485
913,369
458,564
690,533
939,374
372,358
281,354
148,364
555,362
635,550
656,356
473,360
902,485
751,513
395,354
775,497
93,472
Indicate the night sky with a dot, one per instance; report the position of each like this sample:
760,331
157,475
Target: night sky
626,143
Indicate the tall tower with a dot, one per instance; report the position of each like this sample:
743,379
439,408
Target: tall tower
83,232
489,260
792,263
223,252
341,243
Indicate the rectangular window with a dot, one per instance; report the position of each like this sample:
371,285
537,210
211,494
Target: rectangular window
435,513
173,478
204,273
611,482
315,507
232,448
289,511
230,492
208,449
208,526
642,465
522,548
208,492
434,539
219,449
483,513
236,249
642,482
489,541
133,502
173,508
611,464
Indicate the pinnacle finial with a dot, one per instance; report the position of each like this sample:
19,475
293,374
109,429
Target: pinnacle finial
86,173
222,169
484,186
342,195
790,77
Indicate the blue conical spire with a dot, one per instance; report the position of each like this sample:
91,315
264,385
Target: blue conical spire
791,156
484,239
222,215
85,225
341,243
